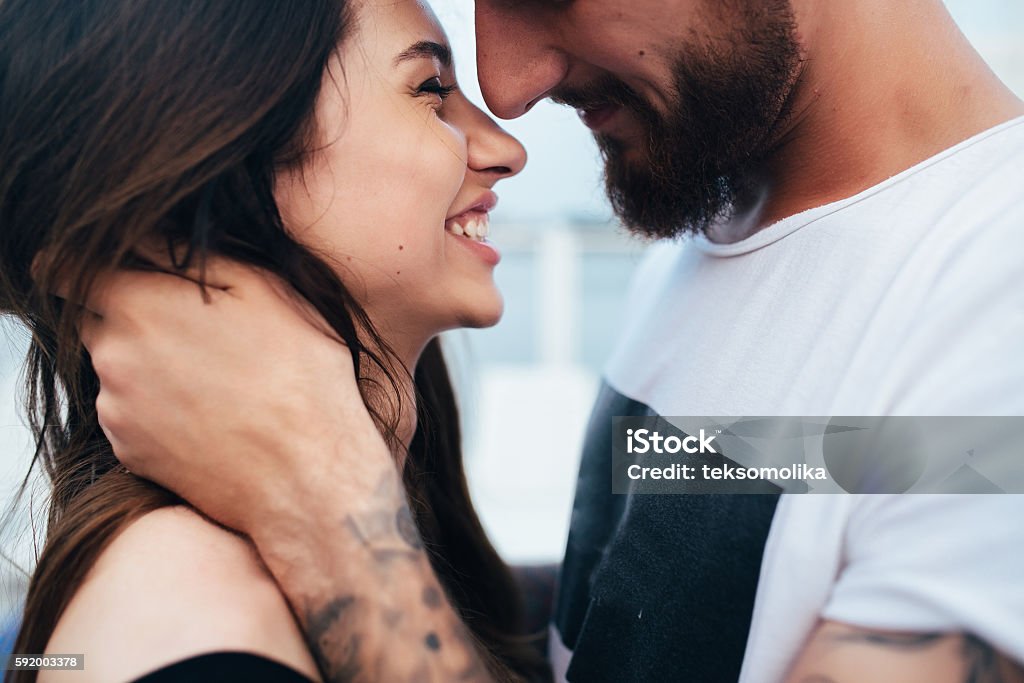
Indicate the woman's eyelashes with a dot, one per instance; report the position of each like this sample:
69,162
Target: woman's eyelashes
435,88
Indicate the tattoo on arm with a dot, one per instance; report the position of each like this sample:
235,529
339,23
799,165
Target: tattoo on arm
963,658
407,528
395,624
984,665
320,624
981,661
900,641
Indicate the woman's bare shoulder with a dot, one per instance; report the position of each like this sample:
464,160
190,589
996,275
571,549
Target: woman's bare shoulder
170,586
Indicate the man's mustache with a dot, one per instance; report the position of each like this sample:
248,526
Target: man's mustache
605,92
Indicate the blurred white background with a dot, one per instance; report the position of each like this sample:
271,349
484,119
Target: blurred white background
527,384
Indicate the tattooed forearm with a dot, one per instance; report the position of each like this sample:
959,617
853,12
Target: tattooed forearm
432,597
407,528
321,625
986,665
387,618
387,531
838,653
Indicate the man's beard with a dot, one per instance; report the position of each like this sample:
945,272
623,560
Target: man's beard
692,166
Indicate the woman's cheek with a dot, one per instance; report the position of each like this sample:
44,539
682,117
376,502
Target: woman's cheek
452,141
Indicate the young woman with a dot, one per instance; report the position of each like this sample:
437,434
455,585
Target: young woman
322,141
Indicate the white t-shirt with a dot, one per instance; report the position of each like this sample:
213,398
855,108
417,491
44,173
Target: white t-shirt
906,299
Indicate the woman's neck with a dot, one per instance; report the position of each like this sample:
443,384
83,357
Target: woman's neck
398,405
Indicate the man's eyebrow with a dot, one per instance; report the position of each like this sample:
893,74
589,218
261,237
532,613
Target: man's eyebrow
428,49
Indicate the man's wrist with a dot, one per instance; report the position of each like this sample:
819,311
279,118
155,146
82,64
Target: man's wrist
327,519
320,470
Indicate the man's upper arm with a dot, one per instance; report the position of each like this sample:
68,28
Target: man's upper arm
930,591
839,653
169,587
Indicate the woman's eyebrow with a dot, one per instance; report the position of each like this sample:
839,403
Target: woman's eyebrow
428,49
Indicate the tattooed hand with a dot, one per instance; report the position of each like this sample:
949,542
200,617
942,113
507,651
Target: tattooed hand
837,653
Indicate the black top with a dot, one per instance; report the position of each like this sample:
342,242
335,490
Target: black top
225,667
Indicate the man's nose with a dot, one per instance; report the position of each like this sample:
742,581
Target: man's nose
518,59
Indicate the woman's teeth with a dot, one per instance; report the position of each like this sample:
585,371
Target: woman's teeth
473,227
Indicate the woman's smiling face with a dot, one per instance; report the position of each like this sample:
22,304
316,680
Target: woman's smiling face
402,163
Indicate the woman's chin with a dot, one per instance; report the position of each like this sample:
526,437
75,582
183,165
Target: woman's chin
483,315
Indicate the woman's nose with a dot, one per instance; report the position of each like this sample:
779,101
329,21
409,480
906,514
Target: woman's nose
492,150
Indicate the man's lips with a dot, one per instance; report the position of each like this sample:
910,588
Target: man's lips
597,117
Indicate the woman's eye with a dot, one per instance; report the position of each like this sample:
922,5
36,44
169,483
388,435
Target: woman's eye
434,86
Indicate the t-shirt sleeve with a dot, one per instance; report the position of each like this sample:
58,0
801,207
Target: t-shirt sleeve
225,667
935,563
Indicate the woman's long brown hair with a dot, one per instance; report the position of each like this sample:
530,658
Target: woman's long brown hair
132,122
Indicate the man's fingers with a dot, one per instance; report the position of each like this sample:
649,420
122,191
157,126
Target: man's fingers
119,290
89,326
218,273
60,286
283,291
104,419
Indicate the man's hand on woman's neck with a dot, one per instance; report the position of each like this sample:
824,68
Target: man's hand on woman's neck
252,414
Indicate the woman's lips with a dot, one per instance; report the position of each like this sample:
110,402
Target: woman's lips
483,249
484,204
471,226
597,117
470,229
